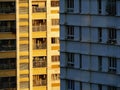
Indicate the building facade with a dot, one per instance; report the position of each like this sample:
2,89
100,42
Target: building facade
29,45
90,44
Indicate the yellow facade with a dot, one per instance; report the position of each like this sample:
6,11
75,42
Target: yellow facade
29,45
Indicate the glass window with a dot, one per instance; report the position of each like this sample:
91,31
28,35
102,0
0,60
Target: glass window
70,32
70,5
70,84
112,64
99,63
99,6
111,88
70,59
99,34
112,35
111,7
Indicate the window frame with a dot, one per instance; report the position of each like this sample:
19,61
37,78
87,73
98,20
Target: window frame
112,64
70,32
70,60
70,6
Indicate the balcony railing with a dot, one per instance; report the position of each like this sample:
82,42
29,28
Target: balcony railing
7,82
38,9
39,63
7,47
7,29
39,83
39,28
7,10
7,7
7,66
40,46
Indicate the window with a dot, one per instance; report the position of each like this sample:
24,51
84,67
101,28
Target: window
111,88
99,87
80,58
111,7
99,63
54,3
80,33
70,59
112,64
80,85
70,5
55,58
80,6
99,34
99,6
55,40
112,35
70,32
70,84
55,21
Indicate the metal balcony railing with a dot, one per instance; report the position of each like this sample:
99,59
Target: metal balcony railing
39,28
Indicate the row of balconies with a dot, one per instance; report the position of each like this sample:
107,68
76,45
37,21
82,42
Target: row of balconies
12,29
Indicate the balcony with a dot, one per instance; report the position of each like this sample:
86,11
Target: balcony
39,80
6,64
7,45
7,7
39,28
8,26
39,62
39,43
7,82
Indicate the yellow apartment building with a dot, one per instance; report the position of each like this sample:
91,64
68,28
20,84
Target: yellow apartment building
29,45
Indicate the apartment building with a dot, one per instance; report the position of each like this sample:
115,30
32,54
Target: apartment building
90,44
29,45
